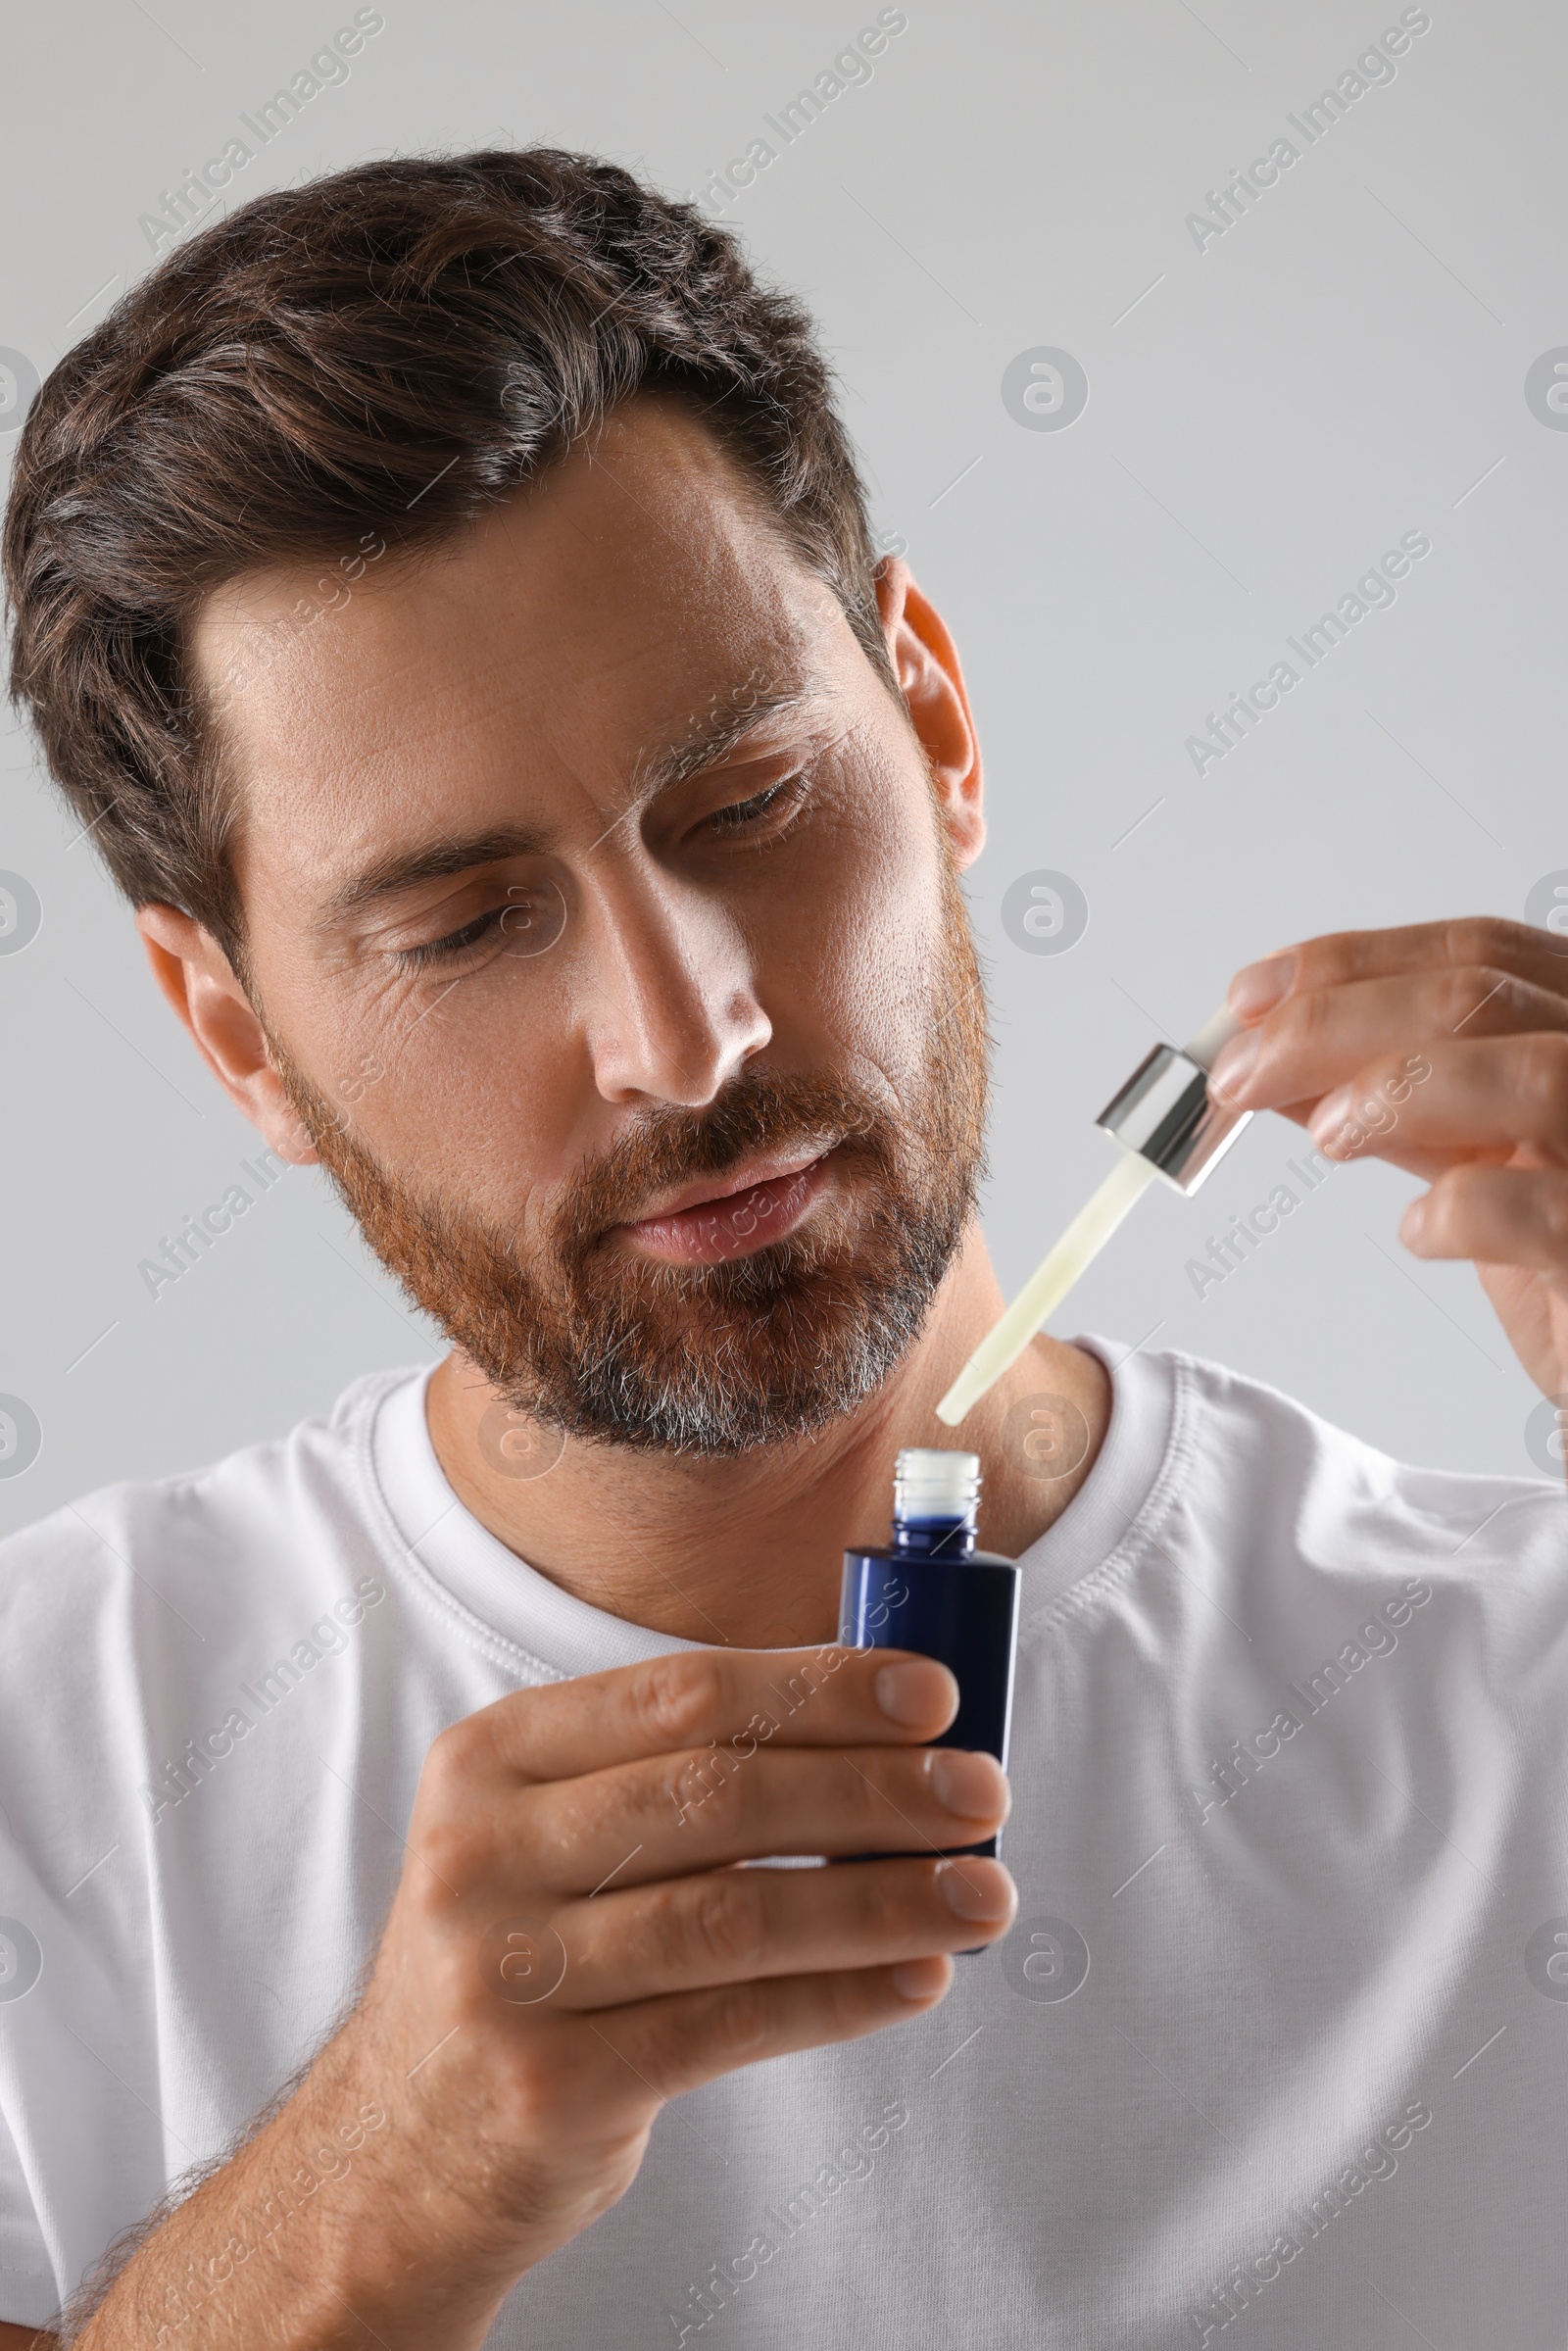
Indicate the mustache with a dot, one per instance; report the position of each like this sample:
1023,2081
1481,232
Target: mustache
770,1112
756,1112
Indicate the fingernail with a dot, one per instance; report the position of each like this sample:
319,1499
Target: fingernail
972,1786
1331,1117
977,1891
917,1691
1234,1066
1262,986
1413,1222
922,1978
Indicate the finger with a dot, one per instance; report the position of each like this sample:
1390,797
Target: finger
685,2039
1495,1216
671,1815
1539,957
730,1926
1426,1164
737,1699
1316,1041
1480,1098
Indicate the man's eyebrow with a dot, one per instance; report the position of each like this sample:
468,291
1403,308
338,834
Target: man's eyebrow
431,861
723,733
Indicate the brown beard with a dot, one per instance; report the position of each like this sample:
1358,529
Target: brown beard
706,1359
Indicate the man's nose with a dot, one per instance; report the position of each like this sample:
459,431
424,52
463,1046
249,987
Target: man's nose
674,1012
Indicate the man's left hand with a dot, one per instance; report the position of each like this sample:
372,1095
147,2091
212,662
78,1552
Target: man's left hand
1442,1048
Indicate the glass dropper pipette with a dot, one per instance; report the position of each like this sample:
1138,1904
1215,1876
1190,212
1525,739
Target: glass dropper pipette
1167,1126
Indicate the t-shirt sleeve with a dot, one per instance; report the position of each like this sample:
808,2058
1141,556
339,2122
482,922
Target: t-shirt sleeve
29,2294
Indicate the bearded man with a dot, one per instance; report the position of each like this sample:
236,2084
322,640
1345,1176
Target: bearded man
445,592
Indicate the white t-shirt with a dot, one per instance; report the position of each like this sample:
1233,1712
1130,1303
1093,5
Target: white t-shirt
1288,1773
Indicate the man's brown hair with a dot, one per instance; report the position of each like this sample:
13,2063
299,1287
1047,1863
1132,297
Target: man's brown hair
373,358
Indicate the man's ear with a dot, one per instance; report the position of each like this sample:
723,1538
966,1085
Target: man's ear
925,661
199,982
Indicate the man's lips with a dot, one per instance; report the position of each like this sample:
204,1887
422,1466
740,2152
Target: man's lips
703,1227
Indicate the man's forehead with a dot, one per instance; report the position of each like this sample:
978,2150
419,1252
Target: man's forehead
539,633
648,515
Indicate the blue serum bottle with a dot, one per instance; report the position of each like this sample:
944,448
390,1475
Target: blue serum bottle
931,1591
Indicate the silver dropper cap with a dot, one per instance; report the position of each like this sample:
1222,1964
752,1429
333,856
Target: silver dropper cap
1164,1112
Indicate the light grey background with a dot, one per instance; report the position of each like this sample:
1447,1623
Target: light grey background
1265,416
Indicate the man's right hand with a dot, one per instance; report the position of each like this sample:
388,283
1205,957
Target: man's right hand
570,1946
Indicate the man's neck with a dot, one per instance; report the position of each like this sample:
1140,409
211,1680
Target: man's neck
747,1553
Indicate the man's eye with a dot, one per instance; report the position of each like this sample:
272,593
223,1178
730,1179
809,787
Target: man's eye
456,943
776,801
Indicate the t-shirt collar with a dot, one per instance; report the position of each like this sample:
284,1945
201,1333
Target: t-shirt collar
469,1574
